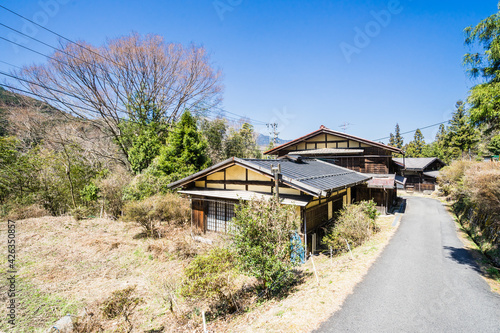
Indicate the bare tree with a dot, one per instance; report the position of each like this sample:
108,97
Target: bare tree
100,83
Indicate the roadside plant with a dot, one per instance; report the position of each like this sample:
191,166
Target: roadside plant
210,279
354,224
261,237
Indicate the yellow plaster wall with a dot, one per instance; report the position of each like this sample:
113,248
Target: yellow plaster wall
342,144
319,137
216,176
252,175
235,187
365,145
334,138
236,172
199,183
321,145
216,186
258,188
301,146
289,191
353,144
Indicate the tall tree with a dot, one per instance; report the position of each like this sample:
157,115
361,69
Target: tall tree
185,151
461,136
485,97
97,83
215,132
242,143
396,140
415,148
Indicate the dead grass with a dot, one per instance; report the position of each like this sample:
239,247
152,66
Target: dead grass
84,262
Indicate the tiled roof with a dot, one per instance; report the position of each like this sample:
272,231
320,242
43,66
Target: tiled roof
312,176
315,173
415,163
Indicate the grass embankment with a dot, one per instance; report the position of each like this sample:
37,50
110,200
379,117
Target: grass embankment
66,266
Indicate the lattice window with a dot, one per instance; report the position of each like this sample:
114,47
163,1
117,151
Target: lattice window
219,216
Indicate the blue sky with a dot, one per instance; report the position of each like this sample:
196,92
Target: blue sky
300,64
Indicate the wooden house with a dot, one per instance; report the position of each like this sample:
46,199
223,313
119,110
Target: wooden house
316,188
361,155
420,172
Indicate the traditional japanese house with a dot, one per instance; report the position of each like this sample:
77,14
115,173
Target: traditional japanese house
371,158
316,188
420,172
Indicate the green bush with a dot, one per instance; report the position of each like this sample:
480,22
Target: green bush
262,241
354,223
210,279
149,212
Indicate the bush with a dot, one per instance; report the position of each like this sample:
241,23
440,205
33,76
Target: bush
210,279
121,303
112,191
262,241
146,185
26,212
355,223
149,212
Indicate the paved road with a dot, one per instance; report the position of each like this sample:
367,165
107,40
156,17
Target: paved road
424,281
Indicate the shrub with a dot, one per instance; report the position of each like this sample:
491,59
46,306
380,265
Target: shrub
355,223
146,185
26,212
148,212
262,241
112,191
210,279
121,303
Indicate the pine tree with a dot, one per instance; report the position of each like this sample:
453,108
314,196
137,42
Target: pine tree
185,151
398,139
461,136
416,147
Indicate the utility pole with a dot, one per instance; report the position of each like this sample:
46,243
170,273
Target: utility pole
273,132
276,170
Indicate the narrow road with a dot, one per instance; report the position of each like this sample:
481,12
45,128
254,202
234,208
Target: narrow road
424,281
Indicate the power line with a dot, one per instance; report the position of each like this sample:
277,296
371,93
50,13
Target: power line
92,51
412,131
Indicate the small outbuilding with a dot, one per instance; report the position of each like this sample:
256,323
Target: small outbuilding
420,172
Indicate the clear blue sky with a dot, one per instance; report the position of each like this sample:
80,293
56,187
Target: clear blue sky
301,64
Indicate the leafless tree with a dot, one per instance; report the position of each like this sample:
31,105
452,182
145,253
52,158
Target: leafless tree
99,83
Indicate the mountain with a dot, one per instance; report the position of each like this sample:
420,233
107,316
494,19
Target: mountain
263,140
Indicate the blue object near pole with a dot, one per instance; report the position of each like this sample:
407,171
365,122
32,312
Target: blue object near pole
298,254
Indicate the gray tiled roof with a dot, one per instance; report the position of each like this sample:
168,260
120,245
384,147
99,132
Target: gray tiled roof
312,176
320,175
415,163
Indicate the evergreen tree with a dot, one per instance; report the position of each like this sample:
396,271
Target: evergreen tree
185,151
462,136
215,133
241,143
484,98
144,133
416,147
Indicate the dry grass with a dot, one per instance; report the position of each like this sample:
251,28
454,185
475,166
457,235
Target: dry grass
84,262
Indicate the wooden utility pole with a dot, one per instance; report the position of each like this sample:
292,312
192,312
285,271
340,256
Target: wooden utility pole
276,170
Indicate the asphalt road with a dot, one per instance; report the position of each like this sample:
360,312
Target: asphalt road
424,281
